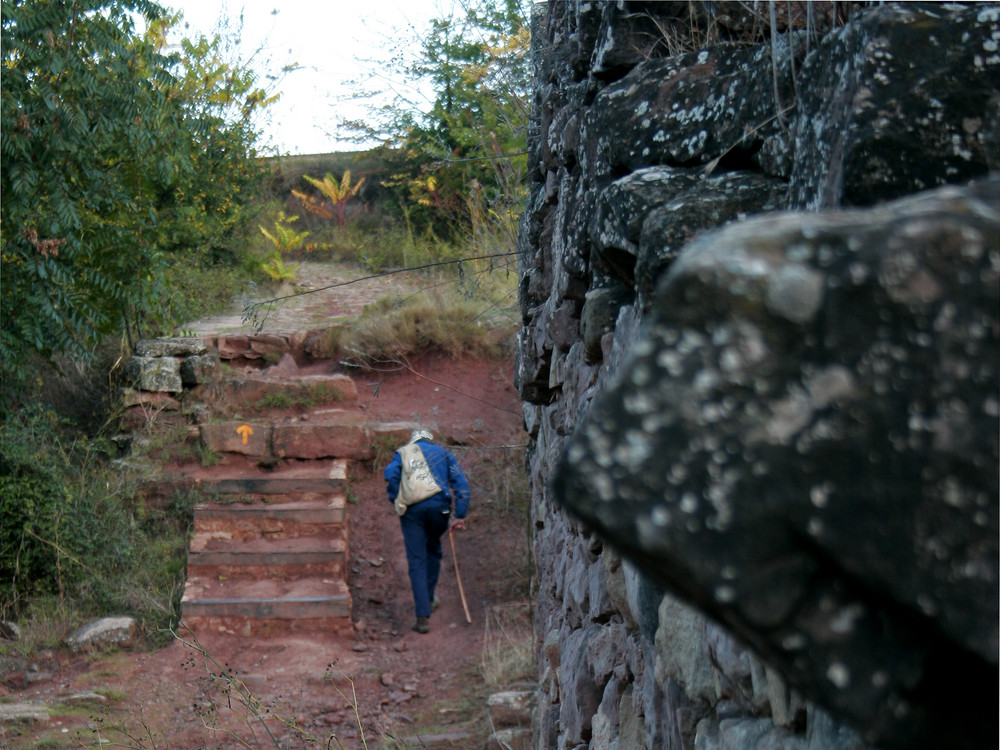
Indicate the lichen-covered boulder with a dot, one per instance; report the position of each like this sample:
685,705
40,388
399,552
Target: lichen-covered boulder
161,374
710,203
107,632
904,98
181,346
199,368
804,441
686,110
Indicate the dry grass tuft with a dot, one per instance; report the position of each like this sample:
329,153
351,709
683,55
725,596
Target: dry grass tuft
508,645
393,330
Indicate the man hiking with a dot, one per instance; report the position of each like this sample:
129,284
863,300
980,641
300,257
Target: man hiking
421,481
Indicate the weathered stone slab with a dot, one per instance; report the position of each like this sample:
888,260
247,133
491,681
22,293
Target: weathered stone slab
684,110
510,708
711,203
251,438
182,346
155,401
24,713
308,440
155,373
107,632
199,368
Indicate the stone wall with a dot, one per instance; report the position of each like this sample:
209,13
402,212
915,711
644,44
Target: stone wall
760,365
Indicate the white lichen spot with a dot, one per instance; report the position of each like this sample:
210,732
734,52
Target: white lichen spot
702,57
725,594
660,516
793,642
639,403
951,493
839,675
991,14
859,273
677,474
795,292
604,486
643,108
843,622
991,407
643,348
689,502
927,605
705,381
641,375
672,362
820,495
815,526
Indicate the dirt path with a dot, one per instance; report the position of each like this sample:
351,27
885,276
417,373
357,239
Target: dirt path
386,687
334,292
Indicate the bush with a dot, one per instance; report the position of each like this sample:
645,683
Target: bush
75,529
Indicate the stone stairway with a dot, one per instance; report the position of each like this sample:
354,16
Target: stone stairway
269,549
273,558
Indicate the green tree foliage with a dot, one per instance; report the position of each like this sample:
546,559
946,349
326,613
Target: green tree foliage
465,148
115,157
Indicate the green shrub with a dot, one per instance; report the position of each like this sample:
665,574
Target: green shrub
74,529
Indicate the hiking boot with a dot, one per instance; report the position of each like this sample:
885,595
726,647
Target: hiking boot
435,604
421,625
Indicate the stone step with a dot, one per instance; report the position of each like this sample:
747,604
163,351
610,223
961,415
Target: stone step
289,520
260,393
330,433
211,557
267,607
250,480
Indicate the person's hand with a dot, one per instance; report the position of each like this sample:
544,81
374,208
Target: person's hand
456,523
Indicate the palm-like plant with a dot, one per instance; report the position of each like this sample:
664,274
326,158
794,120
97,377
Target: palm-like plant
338,193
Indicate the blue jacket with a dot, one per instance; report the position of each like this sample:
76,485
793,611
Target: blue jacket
447,473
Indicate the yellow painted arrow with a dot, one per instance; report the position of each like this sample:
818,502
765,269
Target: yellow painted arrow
245,431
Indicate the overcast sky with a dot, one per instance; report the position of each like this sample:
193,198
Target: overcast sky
327,39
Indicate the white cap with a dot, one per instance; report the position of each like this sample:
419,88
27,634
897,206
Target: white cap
421,435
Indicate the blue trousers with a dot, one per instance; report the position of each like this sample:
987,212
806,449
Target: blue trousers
423,525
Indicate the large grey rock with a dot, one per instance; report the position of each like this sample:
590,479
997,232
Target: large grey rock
685,110
621,209
580,694
709,204
682,649
805,442
510,708
181,346
199,368
161,374
107,632
904,98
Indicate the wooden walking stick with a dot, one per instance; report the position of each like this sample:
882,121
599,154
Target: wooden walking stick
461,591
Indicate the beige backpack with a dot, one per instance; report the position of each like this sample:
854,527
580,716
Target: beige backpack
416,482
